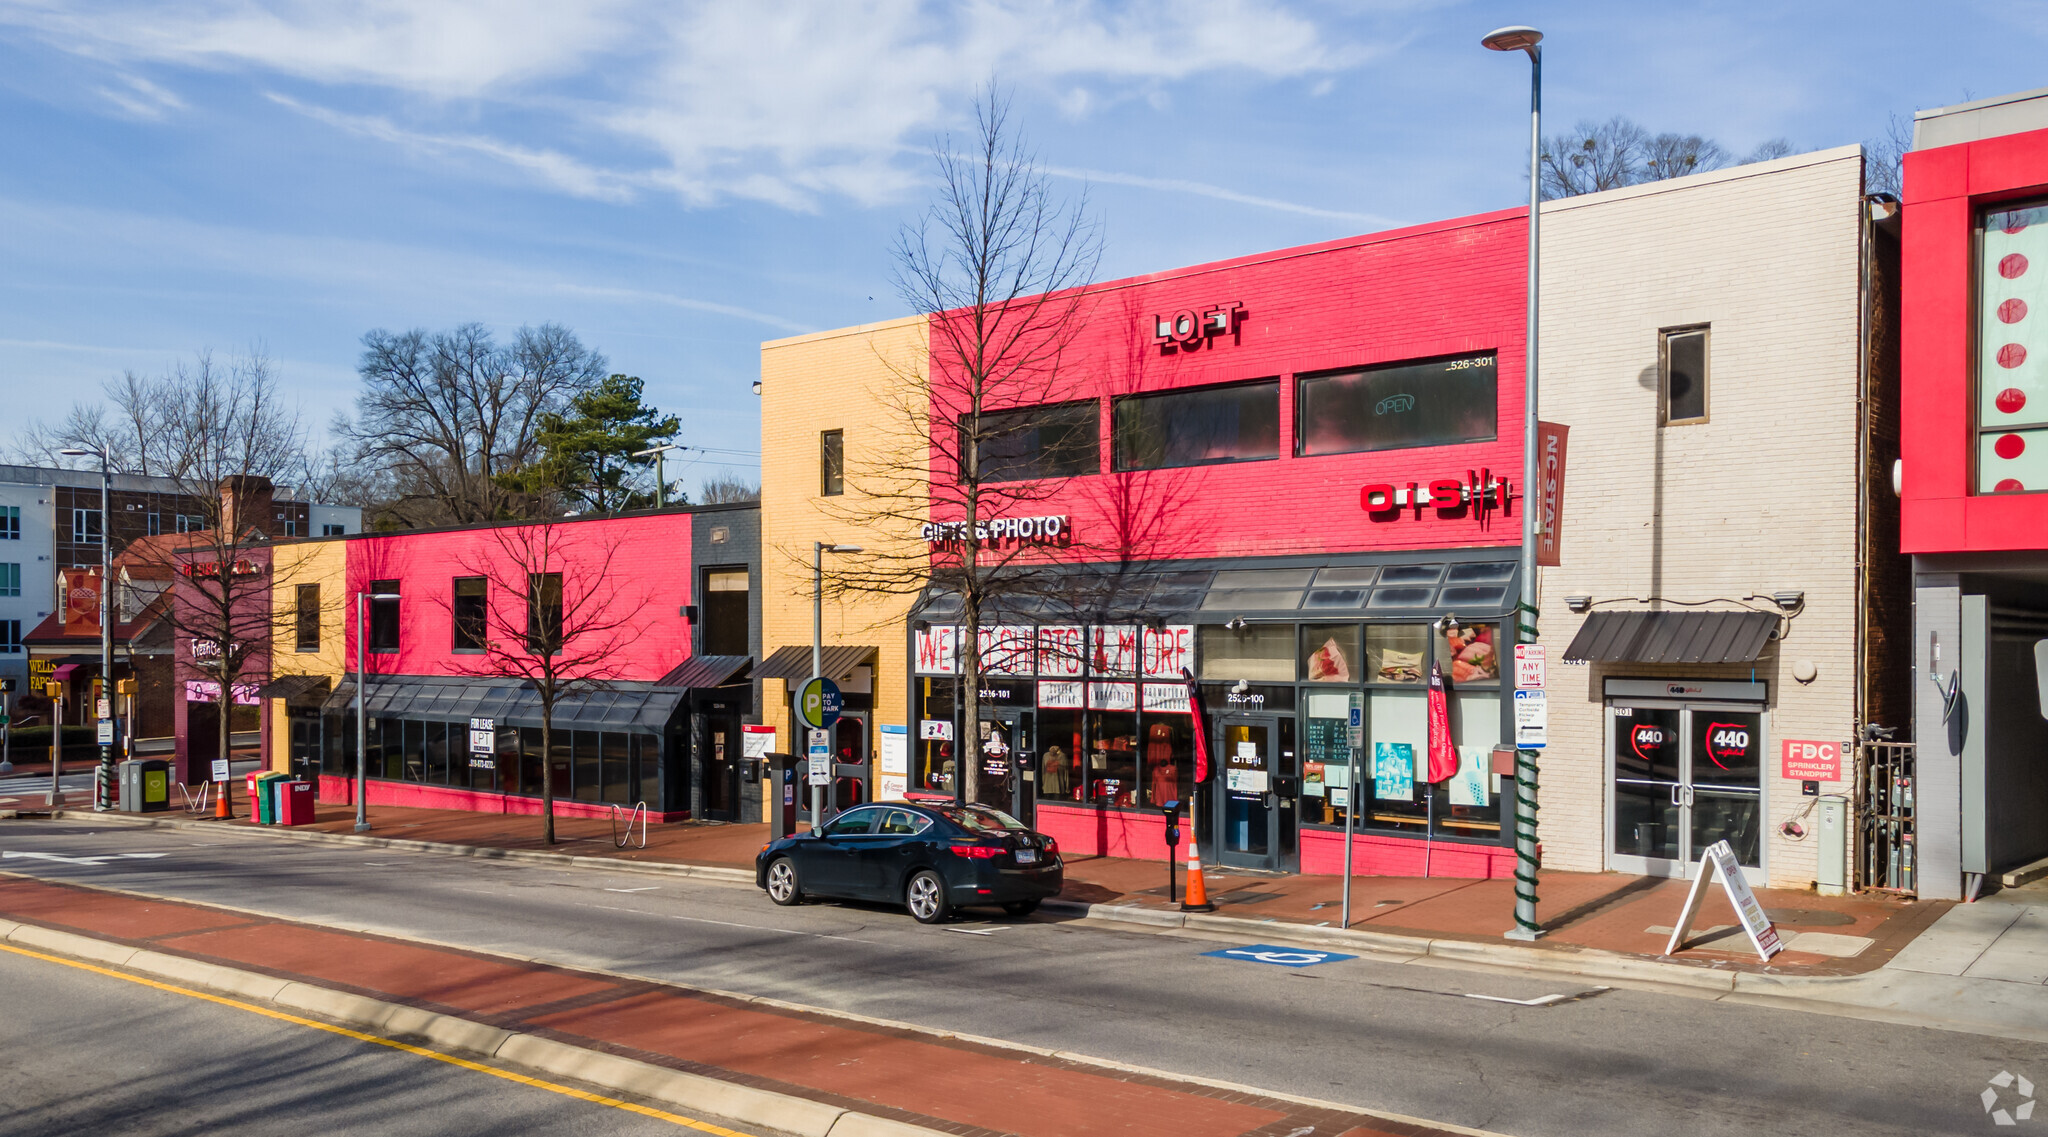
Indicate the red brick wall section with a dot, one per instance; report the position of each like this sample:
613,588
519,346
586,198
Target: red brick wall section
1449,288
648,583
1109,833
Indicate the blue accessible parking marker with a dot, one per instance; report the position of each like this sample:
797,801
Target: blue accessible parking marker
1279,956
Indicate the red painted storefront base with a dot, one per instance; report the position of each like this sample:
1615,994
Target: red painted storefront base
1085,832
337,790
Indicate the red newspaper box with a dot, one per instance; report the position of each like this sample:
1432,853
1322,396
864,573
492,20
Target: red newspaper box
249,781
295,803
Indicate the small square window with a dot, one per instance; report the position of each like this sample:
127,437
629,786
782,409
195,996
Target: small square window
1682,360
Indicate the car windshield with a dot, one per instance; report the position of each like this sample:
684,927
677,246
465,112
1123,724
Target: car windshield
980,818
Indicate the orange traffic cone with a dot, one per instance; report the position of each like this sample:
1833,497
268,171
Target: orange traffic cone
223,807
1197,899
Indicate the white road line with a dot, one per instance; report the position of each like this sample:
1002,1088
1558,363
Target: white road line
648,888
1543,1001
972,931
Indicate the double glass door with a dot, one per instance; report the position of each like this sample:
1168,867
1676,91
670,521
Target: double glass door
1003,751
1247,799
1684,775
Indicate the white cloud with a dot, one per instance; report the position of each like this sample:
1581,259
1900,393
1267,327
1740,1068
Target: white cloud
1203,189
785,103
141,98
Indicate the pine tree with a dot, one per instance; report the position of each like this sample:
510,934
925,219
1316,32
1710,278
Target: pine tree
586,454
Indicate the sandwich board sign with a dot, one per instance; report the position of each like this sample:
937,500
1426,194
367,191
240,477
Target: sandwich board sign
1719,860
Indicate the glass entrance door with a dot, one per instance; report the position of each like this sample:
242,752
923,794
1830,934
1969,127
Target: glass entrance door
1247,801
1683,776
1003,746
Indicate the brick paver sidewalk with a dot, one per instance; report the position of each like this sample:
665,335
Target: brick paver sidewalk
902,1074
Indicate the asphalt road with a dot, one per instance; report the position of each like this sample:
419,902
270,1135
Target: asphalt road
86,1053
1391,1036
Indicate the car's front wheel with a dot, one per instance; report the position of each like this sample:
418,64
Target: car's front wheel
925,896
782,883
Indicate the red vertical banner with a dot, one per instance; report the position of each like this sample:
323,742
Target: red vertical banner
81,603
1550,451
1443,755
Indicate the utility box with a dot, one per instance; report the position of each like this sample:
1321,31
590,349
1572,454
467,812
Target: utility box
1833,837
294,802
779,799
145,785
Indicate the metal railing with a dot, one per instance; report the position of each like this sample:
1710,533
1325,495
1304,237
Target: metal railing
1886,856
622,840
196,805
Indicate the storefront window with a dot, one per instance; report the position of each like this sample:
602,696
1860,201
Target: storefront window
559,762
1470,655
1329,653
1199,427
1436,403
436,752
2012,383
1112,770
589,775
1326,790
1468,803
529,760
1257,652
1061,753
617,786
936,766
1169,759
1397,653
414,755
1397,745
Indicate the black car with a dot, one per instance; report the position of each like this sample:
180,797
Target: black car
928,858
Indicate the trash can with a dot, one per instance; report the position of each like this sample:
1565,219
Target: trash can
295,800
145,785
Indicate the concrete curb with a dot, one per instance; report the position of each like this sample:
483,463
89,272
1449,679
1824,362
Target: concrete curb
693,1092
564,860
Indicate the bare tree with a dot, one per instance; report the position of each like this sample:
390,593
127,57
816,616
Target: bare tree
1675,155
721,489
447,415
999,265
554,619
1609,155
1884,157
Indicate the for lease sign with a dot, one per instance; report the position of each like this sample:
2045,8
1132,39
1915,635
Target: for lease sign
1812,761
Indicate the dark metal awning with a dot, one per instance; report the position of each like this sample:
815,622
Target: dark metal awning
622,706
309,690
1672,637
702,671
793,663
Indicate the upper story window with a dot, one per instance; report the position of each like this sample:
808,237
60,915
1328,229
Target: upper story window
1682,376
1199,427
1434,403
331,530
85,526
725,612
306,618
154,524
1058,441
384,615
2012,365
471,612
191,522
10,523
10,580
832,463
10,637
544,631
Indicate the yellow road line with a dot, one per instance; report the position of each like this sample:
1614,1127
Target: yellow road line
409,1048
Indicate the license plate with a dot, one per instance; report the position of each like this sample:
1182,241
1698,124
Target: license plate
1027,856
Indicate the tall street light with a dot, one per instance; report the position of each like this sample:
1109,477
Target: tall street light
1526,928
103,791
818,551
362,726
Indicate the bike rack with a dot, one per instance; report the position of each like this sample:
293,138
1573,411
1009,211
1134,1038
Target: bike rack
196,806
639,811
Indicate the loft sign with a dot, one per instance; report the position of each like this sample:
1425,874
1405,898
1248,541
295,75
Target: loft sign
1190,329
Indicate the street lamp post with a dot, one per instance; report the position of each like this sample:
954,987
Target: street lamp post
362,726
818,551
103,792
1527,40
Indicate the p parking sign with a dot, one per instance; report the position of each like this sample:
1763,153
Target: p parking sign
818,703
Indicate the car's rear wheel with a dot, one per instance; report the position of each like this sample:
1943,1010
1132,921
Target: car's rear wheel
783,887
1021,908
925,896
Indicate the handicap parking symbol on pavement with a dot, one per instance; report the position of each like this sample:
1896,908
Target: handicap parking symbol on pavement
1279,956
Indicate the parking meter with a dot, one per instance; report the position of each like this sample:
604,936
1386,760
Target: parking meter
1172,811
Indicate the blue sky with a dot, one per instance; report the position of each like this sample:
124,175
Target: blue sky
678,182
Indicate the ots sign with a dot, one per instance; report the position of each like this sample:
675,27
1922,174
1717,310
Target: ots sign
1190,329
1480,493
